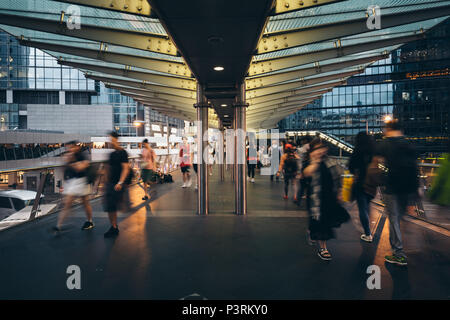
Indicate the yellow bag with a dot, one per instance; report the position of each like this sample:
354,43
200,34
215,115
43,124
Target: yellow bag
347,184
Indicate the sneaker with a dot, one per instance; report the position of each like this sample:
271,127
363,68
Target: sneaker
189,183
366,238
285,197
253,180
196,187
145,198
56,229
184,185
112,232
87,225
401,261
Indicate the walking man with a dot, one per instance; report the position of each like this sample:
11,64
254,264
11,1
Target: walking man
118,171
148,167
401,184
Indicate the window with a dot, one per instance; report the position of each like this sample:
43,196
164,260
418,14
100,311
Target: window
5,203
18,204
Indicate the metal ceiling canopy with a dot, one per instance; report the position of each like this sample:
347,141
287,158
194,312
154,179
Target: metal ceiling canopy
143,85
157,100
286,98
284,6
151,94
264,66
285,101
263,81
128,72
166,66
281,40
301,83
138,7
129,38
215,33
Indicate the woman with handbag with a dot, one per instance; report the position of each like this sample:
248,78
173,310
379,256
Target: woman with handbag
358,165
325,211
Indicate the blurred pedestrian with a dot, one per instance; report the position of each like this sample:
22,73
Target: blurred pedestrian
252,159
325,211
289,167
76,184
185,163
358,165
148,174
118,172
401,184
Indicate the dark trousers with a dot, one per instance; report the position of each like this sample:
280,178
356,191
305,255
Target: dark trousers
251,170
363,200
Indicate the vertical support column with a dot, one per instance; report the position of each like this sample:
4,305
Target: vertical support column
221,152
240,125
202,171
169,162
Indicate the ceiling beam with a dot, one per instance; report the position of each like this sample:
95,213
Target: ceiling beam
277,109
159,100
139,40
289,98
281,40
295,99
166,66
143,85
263,81
308,90
171,81
269,65
151,94
297,84
138,7
285,6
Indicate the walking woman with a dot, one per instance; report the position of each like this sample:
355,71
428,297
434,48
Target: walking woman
325,212
289,167
358,165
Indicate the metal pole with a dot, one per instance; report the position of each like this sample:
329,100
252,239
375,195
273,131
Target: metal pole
168,144
42,181
221,152
202,129
240,184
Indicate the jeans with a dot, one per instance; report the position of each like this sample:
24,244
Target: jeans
395,206
363,201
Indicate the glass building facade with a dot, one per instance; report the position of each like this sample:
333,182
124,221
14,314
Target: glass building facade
411,85
35,77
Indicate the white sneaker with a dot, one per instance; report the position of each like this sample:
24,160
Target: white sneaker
184,185
366,238
253,180
189,183
196,187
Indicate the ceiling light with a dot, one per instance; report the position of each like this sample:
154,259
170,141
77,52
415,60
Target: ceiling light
218,68
225,116
223,105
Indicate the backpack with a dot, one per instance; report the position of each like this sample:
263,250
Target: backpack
290,165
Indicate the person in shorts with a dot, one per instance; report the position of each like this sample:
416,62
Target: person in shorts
118,170
185,163
148,173
75,184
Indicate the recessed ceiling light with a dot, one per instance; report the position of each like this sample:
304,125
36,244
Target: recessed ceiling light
218,68
223,105
226,116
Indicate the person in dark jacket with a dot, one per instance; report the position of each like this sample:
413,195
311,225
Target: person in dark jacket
325,211
401,184
358,164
